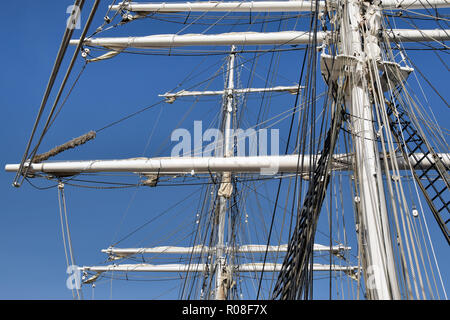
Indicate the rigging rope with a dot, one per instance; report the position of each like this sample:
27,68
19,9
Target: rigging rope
67,239
59,57
67,145
66,77
297,266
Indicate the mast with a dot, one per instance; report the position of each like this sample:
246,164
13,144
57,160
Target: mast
225,190
379,257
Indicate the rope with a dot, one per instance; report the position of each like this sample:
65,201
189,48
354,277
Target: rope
59,57
66,235
66,77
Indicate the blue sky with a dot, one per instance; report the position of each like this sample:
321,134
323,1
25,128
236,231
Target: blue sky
33,264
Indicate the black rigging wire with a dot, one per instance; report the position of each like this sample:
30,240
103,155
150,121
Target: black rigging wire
264,20
153,219
201,53
59,58
279,184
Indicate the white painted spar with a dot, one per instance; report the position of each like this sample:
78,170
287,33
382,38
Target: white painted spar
265,6
194,165
233,6
200,249
248,267
414,4
170,165
245,38
223,39
409,35
186,93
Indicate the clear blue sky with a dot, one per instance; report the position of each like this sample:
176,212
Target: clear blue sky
33,264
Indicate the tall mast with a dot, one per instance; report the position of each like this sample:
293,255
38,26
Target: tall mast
379,256
225,190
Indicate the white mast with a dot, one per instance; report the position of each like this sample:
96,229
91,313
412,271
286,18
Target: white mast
379,255
225,190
